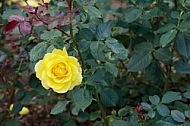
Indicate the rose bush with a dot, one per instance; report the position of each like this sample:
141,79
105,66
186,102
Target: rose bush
134,57
59,71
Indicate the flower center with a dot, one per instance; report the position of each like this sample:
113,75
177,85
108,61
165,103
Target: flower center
59,70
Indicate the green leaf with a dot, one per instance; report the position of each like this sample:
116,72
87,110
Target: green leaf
70,123
20,94
182,67
84,46
98,76
175,14
166,28
155,100
184,26
187,113
92,11
144,46
82,99
117,48
111,68
98,123
178,116
59,107
28,95
139,61
108,97
12,122
163,110
83,117
152,13
133,14
151,114
33,82
146,106
17,107
97,50
165,123
86,34
119,123
143,3
8,12
167,37
186,124
57,42
162,54
133,121
124,111
104,30
38,51
171,96
1,97
95,115
187,95
183,44
48,35
4,85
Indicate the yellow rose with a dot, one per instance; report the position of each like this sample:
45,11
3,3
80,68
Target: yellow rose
59,71
24,110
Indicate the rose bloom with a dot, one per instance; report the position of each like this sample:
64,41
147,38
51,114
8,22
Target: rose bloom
59,71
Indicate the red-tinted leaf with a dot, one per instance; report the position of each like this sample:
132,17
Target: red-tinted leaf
40,10
25,28
16,18
65,20
10,27
29,9
53,24
37,23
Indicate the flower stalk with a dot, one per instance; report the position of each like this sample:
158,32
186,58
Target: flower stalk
101,109
72,36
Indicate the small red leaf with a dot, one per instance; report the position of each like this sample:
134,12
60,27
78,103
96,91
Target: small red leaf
10,27
65,19
25,28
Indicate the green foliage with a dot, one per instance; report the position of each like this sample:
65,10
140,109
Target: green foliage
134,56
171,96
139,61
59,107
108,97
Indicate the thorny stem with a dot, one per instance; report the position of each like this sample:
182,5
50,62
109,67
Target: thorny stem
61,30
76,45
101,108
72,36
13,87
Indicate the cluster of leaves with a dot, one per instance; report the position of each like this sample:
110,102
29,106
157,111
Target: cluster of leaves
135,67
